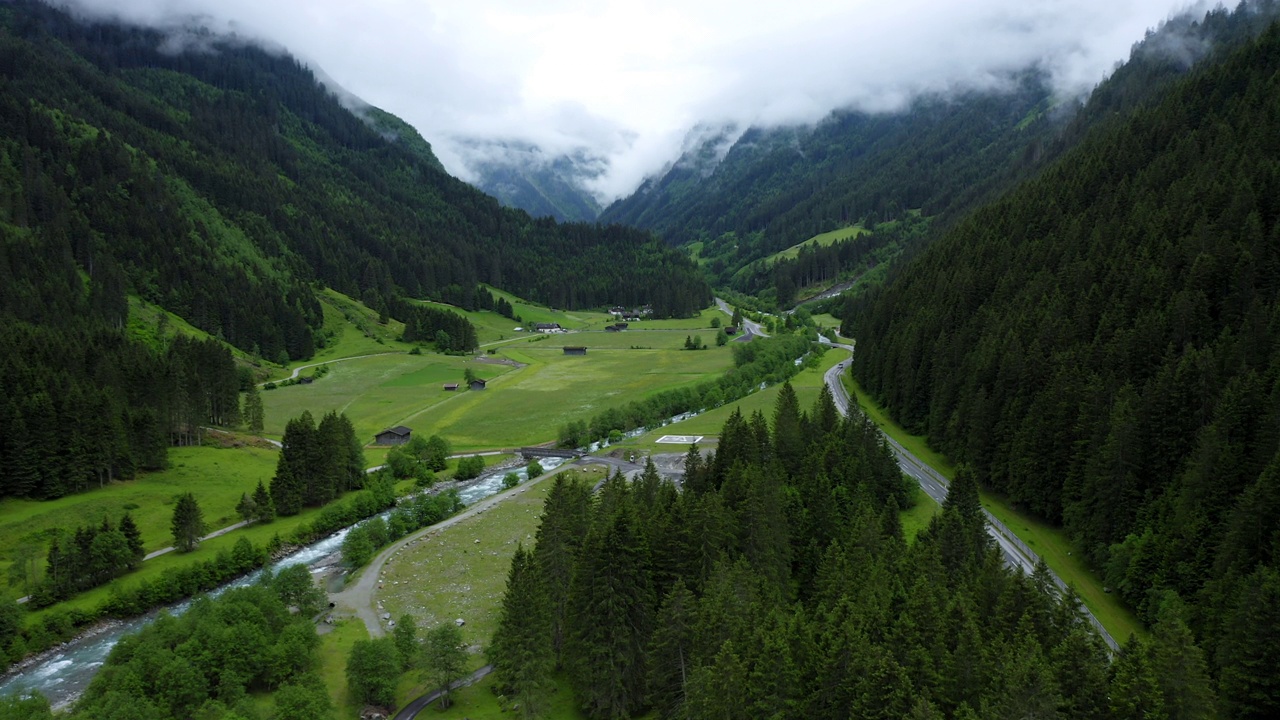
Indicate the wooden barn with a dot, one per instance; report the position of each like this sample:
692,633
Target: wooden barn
574,350
477,384
397,435
451,386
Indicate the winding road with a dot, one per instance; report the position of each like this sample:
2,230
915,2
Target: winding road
750,328
1016,553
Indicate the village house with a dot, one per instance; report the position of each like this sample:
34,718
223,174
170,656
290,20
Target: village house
548,327
397,435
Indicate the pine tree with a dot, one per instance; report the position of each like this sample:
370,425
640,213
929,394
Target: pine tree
263,507
521,650
187,524
132,536
559,537
671,652
296,464
253,413
788,441
1135,689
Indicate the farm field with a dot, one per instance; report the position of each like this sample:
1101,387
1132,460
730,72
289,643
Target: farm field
530,405
375,392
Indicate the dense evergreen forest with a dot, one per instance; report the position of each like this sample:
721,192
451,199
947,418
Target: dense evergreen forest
1101,346
778,584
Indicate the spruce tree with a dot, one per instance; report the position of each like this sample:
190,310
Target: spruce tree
133,536
788,440
263,507
558,540
612,601
187,524
671,658
521,651
297,462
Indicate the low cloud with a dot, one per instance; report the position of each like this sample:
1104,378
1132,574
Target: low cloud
624,83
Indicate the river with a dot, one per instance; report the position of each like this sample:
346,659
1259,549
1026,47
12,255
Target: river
62,673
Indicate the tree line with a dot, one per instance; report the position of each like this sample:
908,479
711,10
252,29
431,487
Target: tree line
82,405
777,582
317,463
88,557
1101,347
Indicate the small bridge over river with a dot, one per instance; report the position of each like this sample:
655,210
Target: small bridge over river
540,452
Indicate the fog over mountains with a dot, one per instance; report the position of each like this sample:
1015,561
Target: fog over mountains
610,94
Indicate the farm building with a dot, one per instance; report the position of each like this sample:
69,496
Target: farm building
574,350
477,384
451,386
397,435
547,327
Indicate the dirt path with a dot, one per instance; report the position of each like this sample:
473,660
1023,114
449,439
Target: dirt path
300,368
358,597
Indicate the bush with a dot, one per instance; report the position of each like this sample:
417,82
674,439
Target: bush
510,480
469,467
534,469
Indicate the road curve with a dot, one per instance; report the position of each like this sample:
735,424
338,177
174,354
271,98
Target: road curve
300,368
750,328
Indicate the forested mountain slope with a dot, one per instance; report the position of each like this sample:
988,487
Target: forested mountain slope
224,184
942,156
1103,346
223,167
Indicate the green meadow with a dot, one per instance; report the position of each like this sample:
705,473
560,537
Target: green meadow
530,405
375,392
217,477
807,384
521,405
823,240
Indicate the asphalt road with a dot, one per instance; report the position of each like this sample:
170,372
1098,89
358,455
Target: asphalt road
750,328
933,484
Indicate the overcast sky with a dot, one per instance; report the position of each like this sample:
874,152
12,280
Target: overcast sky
625,81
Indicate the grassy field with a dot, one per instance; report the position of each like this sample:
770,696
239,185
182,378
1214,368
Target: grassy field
375,392
449,575
916,518
647,338
335,648
529,406
521,406
823,240
807,384
217,476
1049,542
